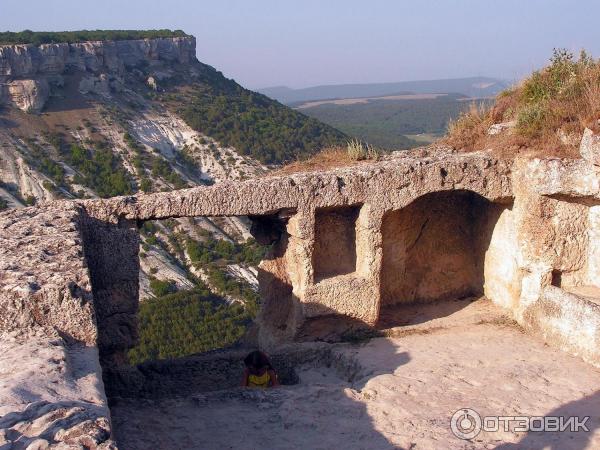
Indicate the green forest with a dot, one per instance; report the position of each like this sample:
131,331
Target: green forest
252,123
186,322
180,323
386,123
98,168
53,37
212,255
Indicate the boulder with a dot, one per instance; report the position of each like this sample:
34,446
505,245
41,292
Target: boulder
590,147
498,128
28,95
151,82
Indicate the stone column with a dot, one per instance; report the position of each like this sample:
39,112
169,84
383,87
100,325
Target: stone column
111,252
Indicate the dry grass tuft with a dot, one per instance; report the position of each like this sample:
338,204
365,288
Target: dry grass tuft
502,321
470,126
559,100
354,153
325,159
359,151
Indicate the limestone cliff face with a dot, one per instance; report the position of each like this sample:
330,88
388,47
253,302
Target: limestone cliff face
28,73
95,93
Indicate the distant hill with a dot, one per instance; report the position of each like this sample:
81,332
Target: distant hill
392,122
470,87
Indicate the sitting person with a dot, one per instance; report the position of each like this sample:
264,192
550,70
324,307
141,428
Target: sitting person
259,372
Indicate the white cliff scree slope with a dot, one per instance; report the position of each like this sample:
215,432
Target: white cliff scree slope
91,95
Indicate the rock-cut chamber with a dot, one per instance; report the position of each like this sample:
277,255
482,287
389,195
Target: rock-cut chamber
435,248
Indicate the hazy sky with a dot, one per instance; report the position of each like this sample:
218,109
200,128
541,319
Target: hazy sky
300,43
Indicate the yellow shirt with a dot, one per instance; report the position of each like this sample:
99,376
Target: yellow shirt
261,381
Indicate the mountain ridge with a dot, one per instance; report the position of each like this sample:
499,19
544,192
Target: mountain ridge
477,86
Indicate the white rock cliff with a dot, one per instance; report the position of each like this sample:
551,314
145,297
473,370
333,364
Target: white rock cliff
29,73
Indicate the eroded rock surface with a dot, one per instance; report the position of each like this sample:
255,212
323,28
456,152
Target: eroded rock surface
28,73
590,147
351,243
29,95
51,393
43,276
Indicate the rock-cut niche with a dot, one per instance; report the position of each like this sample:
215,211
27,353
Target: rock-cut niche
434,248
335,241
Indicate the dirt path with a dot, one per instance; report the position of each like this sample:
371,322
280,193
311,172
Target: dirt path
410,387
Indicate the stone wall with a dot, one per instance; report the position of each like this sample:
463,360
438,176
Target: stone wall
112,256
501,274
44,281
556,228
51,392
328,256
349,231
351,240
568,321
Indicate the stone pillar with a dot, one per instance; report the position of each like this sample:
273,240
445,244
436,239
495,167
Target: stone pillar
111,252
356,293
281,275
291,290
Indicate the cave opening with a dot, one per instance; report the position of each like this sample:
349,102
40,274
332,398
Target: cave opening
434,250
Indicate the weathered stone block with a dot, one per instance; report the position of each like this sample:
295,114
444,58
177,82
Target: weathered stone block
590,147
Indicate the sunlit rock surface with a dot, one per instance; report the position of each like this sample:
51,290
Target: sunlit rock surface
349,243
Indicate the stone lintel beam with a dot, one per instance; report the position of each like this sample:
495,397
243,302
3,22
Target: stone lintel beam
389,184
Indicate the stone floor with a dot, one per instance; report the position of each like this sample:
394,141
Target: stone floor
591,293
460,355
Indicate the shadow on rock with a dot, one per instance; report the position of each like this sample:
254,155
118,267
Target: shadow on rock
566,440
